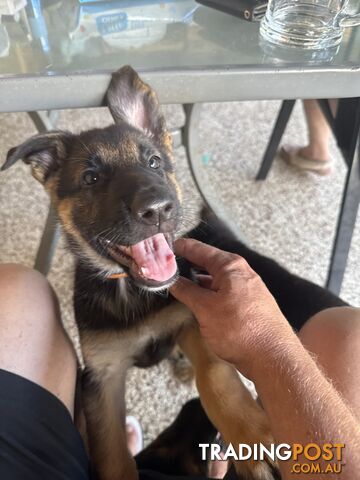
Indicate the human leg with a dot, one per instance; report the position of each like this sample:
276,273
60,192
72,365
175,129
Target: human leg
318,132
38,438
33,343
333,335
315,156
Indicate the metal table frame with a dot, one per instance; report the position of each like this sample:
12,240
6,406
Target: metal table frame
182,86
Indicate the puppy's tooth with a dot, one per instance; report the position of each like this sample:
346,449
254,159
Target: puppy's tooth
144,271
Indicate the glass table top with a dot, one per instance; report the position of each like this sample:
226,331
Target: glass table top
60,37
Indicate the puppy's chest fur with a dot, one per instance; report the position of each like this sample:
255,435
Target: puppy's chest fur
121,326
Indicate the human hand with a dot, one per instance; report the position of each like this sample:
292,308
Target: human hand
238,317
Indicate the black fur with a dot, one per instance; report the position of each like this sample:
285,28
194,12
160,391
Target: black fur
176,450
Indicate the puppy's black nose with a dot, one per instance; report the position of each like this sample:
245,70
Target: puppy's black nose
153,212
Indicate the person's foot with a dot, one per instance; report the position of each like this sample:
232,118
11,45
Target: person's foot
307,158
134,435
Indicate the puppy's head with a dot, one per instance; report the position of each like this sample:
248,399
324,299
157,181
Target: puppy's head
114,188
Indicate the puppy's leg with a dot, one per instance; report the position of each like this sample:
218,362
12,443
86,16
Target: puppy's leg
79,413
228,403
104,406
107,359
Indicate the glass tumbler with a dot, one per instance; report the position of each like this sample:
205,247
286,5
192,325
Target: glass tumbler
309,24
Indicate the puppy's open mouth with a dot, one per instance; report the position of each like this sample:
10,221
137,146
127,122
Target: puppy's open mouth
152,259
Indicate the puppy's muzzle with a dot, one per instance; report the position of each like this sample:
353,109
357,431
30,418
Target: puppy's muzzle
154,207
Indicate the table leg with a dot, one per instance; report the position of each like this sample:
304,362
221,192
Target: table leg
42,121
45,121
346,224
287,107
195,158
191,142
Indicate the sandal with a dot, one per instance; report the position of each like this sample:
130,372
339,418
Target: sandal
291,156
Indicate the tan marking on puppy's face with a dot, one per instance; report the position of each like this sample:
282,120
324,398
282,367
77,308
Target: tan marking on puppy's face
167,142
127,152
172,178
50,186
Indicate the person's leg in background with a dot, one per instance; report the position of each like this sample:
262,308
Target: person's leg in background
333,335
315,156
318,133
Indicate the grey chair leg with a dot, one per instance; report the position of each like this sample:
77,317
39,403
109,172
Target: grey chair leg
346,224
48,242
43,122
275,139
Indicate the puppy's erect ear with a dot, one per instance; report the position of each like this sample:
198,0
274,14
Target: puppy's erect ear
44,153
132,101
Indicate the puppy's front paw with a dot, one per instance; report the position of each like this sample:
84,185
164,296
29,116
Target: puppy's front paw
266,469
181,366
258,470
253,430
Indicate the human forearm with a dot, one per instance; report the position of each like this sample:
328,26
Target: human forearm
311,410
241,322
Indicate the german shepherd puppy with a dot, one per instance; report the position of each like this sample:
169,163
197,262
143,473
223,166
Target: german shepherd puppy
119,205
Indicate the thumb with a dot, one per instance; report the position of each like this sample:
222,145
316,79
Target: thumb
189,293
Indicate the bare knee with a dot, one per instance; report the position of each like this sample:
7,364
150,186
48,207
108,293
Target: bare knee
13,273
333,336
33,343
30,311
20,281
25,294
333,327
16,270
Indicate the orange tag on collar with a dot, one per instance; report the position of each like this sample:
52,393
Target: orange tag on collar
118,275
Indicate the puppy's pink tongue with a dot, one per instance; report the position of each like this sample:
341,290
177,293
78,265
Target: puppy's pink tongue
154,258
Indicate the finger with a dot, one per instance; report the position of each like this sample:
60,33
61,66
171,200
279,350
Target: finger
204,281
189,293
203,255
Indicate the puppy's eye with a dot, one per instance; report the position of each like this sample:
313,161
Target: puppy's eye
90,177
154,161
